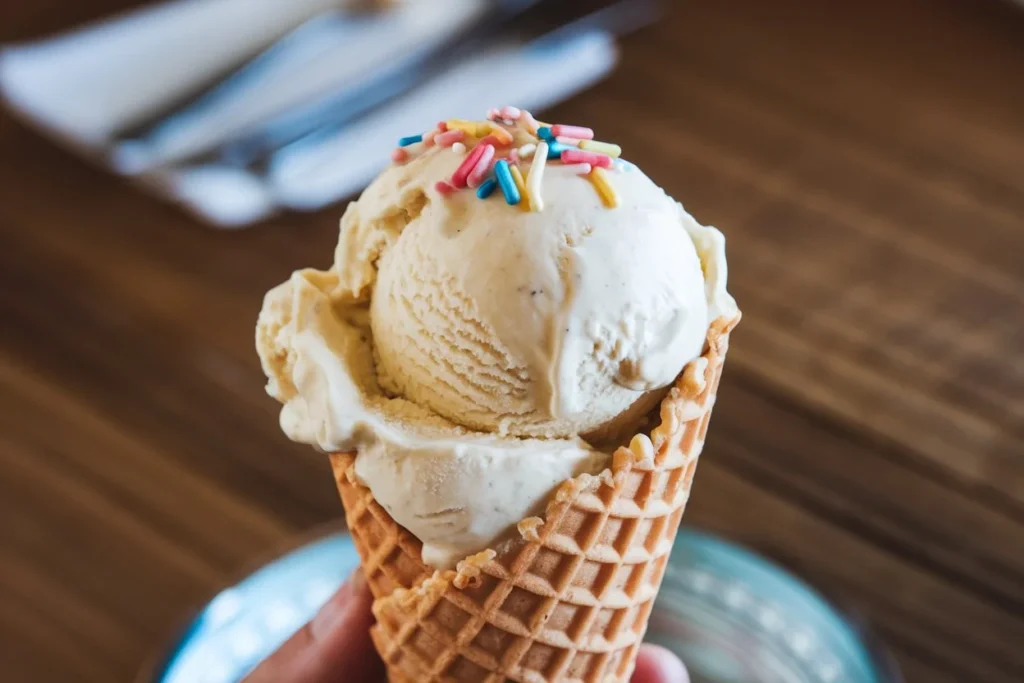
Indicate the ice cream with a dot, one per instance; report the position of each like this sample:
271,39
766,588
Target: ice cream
474,354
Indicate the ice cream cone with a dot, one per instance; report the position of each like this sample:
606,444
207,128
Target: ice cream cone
566,599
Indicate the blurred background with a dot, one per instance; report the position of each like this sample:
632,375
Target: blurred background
163,165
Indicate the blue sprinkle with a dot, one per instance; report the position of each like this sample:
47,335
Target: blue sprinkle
506,182
486,188
410,140
555,149
544,133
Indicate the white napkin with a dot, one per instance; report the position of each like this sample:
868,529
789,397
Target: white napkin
99,78
85,86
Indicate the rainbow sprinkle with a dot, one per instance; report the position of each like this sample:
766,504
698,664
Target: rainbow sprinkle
517,177
510,113
487,188
450,137
536,176
605,148
508,186
599,178
531,123
468,127
461,176
578,169
556,149
511,151
503,136
483,166
577,132
578,156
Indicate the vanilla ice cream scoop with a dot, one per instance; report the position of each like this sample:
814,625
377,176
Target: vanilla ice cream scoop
476,351
538,323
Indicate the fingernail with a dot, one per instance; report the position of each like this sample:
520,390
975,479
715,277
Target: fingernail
337,607
672,669
655,664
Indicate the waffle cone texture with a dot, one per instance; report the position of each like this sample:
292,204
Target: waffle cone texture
567,598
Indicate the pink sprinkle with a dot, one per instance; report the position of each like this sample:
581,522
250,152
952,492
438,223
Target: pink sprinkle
578,132
493,114
578,156
512,113
578,169
482,168
442,126
399,155
565,140
449,138
513,156
468,164
444,187
428,139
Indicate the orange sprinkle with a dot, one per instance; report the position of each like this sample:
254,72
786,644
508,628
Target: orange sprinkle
503,136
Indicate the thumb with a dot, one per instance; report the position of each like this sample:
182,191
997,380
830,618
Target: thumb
334,647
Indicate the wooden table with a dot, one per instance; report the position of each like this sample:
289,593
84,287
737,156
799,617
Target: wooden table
866,160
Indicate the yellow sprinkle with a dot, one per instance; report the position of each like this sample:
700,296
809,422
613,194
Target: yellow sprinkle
531,123
517,176
469,127
504,137
602,183
608,148
536,177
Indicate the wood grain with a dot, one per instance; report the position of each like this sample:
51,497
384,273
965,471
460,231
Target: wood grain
866,161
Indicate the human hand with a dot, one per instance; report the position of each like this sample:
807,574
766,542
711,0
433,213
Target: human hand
335,646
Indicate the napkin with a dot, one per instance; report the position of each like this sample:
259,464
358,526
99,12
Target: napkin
105,90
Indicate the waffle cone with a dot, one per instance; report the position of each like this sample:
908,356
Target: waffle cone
566,599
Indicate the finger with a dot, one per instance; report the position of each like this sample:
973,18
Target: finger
334,647
655,664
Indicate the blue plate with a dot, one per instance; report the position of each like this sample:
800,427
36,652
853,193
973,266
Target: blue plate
248,621
731,615
734,617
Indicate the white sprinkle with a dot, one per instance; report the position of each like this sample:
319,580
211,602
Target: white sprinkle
459,148
536,177
578,169
508,122
511,112
527,150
